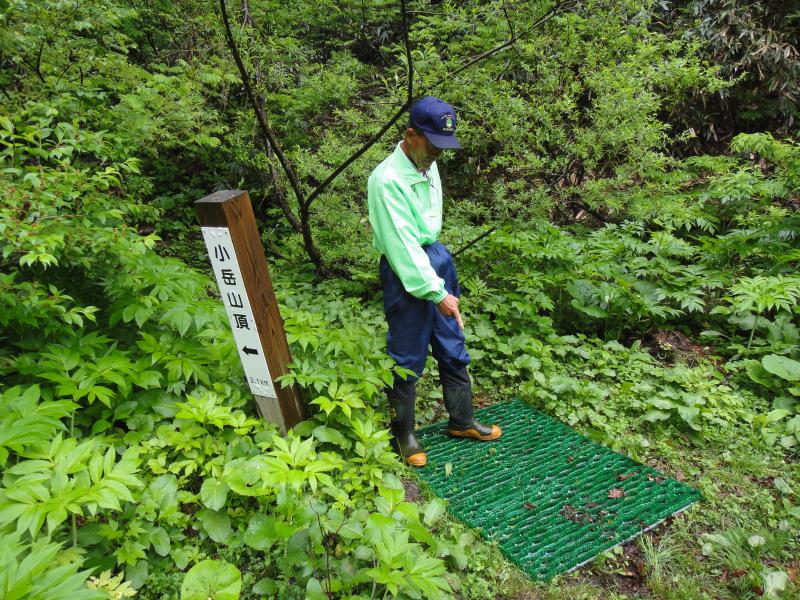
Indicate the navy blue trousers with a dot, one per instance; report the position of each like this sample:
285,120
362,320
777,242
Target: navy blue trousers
415,324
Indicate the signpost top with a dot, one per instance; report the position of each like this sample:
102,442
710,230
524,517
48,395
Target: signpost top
220,196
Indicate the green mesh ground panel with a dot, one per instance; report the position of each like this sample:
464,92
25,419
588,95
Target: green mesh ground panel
543,491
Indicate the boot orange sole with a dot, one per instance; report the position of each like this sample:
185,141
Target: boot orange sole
473,434
419,459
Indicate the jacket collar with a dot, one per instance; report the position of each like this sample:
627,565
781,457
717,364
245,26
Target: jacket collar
405,167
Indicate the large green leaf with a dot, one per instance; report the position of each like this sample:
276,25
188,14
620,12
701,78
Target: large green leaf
216,523
775,583
214,493
759,374
782,366
212,580
592,311
314,590
434,510
260,532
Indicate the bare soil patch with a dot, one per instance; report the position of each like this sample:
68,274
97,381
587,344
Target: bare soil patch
673,347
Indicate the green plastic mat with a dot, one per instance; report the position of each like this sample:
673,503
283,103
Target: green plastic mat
548,496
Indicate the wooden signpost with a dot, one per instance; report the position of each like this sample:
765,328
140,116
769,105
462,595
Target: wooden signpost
237,257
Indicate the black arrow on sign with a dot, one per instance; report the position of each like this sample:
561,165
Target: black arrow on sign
247,350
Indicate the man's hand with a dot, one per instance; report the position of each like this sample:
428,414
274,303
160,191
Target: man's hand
449,308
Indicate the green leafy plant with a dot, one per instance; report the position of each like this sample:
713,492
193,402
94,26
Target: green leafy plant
39,570
743,554
66,477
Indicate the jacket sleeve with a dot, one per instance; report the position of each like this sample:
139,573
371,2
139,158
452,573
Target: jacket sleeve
393,224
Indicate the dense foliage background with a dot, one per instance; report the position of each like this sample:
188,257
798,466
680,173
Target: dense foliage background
632,178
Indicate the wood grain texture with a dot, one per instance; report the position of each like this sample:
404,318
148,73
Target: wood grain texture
232,209
270,411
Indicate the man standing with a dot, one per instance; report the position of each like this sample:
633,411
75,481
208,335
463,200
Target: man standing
420,285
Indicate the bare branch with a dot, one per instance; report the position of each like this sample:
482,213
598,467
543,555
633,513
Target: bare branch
509,21
557,8
261,117
280,197
266,131
406,105
32,68
274,250
247,17
39,62
511,29
485,234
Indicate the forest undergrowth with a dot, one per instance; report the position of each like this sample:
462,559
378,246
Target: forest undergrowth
645,294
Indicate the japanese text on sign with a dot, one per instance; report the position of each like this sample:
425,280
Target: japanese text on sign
237,306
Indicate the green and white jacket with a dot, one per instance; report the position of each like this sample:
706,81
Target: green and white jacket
405,211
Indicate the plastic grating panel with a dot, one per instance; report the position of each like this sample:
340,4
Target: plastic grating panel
542,490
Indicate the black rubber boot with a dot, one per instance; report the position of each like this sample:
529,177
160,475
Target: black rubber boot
457,390
402,398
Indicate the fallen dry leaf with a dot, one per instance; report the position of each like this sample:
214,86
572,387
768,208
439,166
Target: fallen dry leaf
640,568
624,476
616,493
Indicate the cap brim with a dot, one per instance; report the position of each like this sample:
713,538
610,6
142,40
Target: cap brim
442,141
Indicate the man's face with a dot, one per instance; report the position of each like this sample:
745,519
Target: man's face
422,152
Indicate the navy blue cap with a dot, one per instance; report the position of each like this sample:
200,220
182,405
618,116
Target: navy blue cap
437,120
